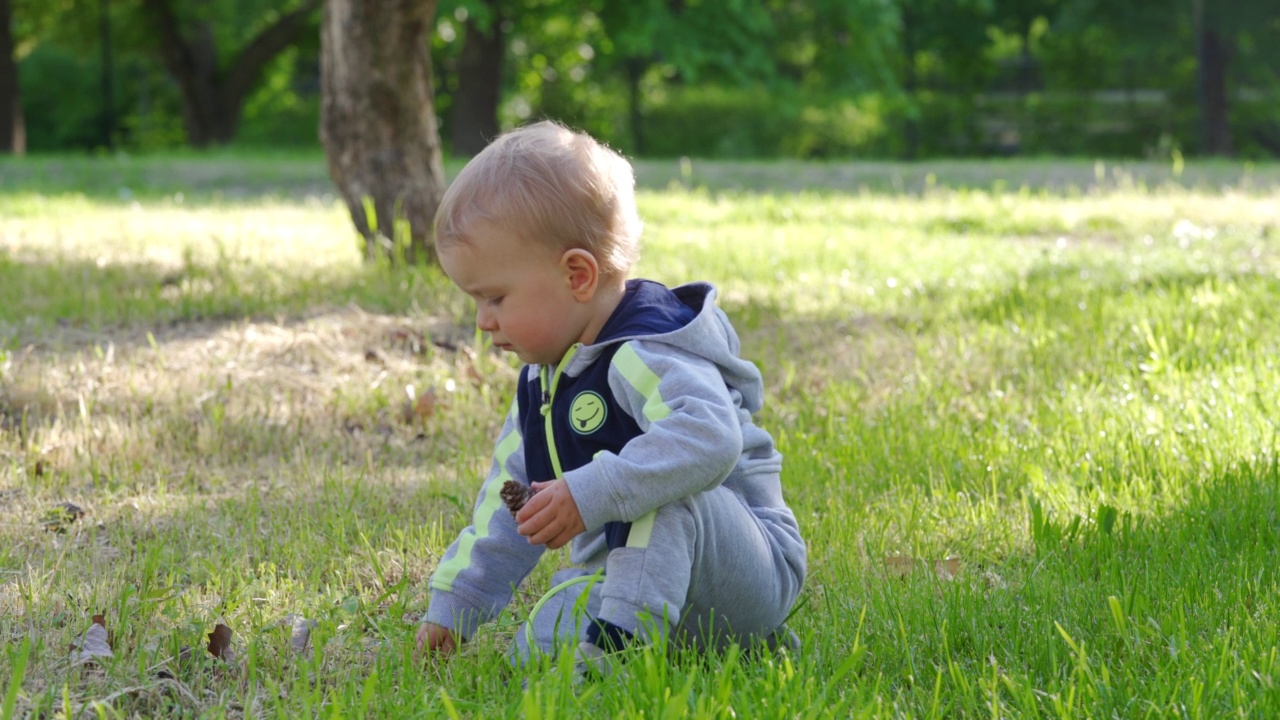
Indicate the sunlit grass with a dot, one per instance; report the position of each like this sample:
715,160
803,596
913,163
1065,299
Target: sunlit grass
1076,393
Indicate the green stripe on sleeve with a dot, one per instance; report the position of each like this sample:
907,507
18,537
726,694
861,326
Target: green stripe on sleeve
642,530
644,380
489,504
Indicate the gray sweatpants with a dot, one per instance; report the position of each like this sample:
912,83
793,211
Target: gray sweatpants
705,571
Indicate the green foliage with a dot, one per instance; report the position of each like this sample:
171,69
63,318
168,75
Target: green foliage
63,98
148,109
49,76
835,45
840,78
285,109
716,122
719,122
727,40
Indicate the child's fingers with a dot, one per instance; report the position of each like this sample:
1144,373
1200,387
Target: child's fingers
547,495
434,638
531,508
548,527
540,528
561,540
550,517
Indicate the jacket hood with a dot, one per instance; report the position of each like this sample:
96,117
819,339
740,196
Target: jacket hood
686,318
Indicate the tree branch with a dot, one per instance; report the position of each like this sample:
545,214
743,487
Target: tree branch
174,48
247,67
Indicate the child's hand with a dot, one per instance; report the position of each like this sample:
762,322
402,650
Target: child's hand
435,638
551,516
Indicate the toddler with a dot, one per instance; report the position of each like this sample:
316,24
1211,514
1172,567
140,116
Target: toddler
632,421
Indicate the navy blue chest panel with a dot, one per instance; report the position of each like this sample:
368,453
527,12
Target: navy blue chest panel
586,420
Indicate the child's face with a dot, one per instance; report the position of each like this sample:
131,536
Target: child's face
522,291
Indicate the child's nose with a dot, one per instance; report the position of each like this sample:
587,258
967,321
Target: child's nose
486,320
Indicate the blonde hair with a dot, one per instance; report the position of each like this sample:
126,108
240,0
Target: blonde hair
550,185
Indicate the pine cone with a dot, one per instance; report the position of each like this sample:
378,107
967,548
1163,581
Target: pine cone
515,495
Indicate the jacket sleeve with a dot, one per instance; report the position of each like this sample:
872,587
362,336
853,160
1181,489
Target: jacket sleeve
691,435
481,569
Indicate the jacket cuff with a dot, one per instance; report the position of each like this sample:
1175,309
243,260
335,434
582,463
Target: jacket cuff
453,612
592,492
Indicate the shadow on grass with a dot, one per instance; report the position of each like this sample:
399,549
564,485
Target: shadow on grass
229,368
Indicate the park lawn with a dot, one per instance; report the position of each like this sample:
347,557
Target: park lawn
1030,414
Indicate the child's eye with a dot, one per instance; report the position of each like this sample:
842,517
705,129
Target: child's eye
496,300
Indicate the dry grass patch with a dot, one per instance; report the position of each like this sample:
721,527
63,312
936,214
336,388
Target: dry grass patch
219,408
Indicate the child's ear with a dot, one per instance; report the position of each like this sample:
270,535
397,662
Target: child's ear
582,272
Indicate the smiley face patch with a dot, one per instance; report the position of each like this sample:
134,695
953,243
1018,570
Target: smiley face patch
587,413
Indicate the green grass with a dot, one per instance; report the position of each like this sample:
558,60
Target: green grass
1064,376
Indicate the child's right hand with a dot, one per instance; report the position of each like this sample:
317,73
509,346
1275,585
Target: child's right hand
551,517
435,638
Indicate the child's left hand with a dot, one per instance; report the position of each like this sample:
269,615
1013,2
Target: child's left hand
551,516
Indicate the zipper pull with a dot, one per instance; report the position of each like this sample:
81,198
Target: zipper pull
546,392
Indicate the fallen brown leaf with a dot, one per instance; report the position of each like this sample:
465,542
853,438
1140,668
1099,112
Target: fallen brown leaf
899,566
102,620
948,568
300,632
417,407
95,643
425,406
220,644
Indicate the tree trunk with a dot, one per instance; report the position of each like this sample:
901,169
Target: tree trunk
475,103
1214,50
12,136
378,120
636,67
213,98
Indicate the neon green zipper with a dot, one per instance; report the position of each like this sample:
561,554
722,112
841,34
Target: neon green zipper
548,394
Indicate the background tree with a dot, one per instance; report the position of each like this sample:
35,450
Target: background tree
1223,32
214,89
728,40
12,138
378,120
941,43
479,73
